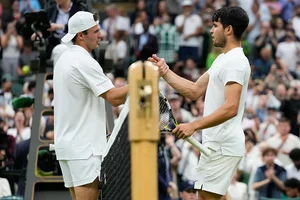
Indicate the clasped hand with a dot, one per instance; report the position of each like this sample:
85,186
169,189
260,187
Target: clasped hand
163,68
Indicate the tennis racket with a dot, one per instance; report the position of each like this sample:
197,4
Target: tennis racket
167,123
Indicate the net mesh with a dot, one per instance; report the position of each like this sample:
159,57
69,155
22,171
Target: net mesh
116,166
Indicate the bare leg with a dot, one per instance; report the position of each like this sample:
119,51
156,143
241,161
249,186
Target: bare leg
72,192
204,195
89,191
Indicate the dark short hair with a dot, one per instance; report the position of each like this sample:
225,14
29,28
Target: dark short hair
74,38
232,16
284,120
269,149
292,183
295,154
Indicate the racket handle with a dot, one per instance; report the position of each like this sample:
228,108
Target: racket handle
198,145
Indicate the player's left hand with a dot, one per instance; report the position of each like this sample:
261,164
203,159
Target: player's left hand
184,131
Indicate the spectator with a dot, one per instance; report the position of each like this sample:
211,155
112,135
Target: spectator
269,178
113,22
284,142
237,190
21,130
12,43
287,9
292,188
187,191
181,115
4,188
287,52
268,128
290,108
27,54
189,26
293,169
262,64
29,6
140,6
146,44
258,14
59,14
167,37
117,51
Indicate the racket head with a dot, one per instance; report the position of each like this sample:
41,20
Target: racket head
167,121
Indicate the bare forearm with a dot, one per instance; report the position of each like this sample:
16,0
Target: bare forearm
121,94
278,182
176,155
183,86
116,96
224,113
260,184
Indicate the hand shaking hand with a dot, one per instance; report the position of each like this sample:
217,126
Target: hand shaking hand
163,68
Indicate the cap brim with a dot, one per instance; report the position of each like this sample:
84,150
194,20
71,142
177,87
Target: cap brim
68,37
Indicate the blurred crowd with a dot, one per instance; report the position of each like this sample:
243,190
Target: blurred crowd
177,30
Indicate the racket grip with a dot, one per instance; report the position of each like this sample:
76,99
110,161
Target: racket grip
198,145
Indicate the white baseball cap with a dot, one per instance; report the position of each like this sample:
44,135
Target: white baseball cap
187,3
79,22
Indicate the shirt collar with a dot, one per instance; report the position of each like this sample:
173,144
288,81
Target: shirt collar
80,48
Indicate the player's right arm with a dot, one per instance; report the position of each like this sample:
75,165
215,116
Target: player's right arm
189,89
116,96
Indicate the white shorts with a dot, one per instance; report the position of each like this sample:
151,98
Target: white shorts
80,172
215,172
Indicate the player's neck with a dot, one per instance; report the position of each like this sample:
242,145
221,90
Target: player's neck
83,45
231,45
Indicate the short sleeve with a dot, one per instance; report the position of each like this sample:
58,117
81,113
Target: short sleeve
259,176
233,72
94,78
178,21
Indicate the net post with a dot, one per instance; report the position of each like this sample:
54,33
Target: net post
143,130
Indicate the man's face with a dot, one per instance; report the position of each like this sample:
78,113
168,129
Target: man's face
291,192
297,163
269,158
189,194
93,38
217,34
283,128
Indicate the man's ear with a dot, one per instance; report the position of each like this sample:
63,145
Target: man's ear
80,36
229,30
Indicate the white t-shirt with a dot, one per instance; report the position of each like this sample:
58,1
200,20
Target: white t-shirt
80,119
292,171
116,51
296,25
230,67
238,191
25,135
190,26
291,143
287,53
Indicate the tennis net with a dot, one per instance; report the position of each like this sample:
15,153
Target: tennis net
116,165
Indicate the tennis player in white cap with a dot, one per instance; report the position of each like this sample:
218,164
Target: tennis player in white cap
80,88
